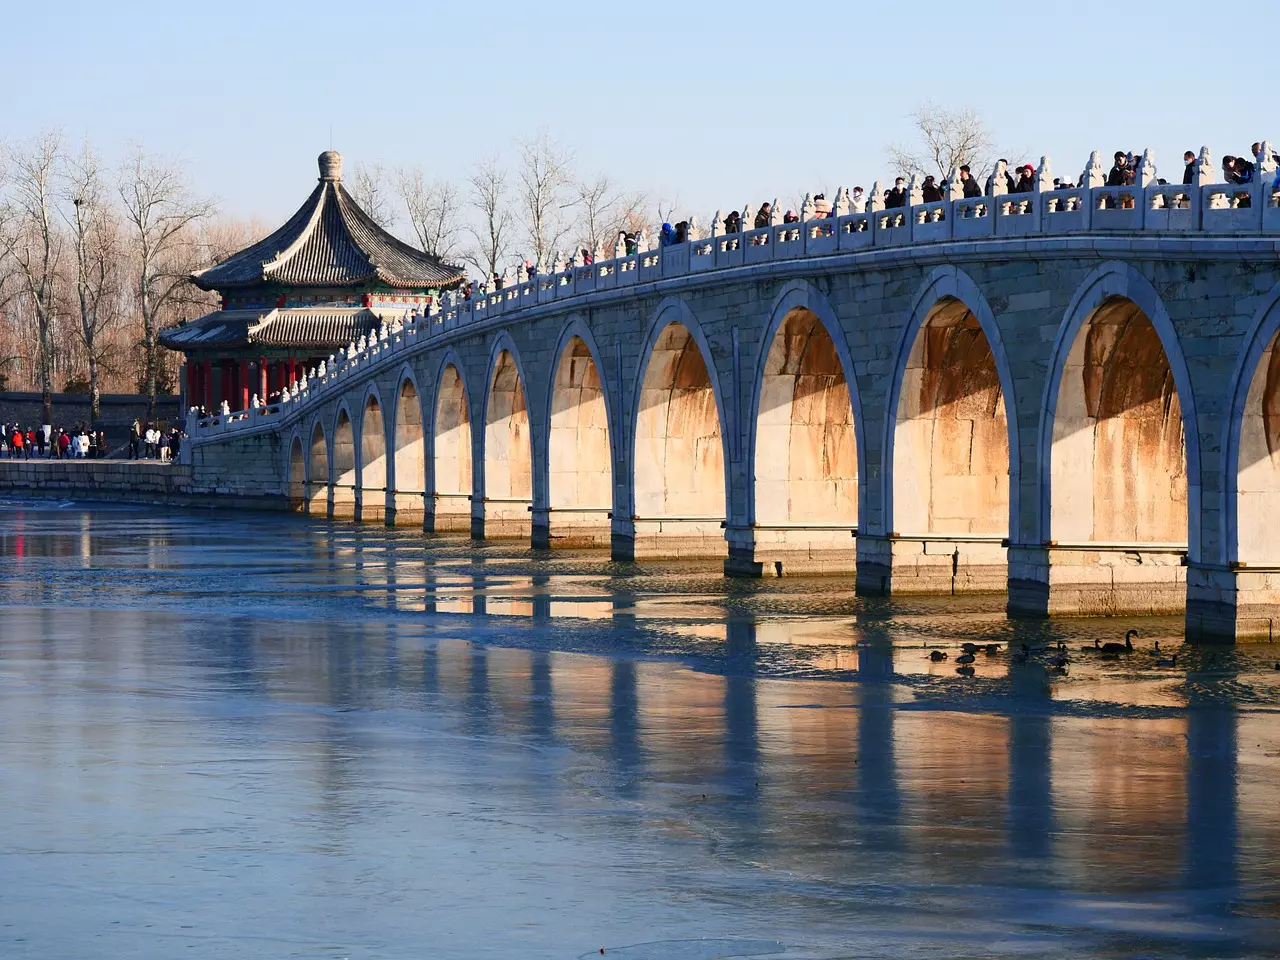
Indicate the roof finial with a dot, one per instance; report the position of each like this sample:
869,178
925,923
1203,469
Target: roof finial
331,166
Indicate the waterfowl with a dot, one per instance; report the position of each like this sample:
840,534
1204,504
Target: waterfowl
1097,647
969,647
1168,661
1126,647
1059,659
937,656
965,658
991,649
1021,656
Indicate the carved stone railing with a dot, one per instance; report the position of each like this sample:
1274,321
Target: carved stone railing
1210,209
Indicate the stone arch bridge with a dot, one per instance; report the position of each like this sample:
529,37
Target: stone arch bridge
1072,395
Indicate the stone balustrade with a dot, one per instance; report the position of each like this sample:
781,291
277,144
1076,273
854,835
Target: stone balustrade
1091,208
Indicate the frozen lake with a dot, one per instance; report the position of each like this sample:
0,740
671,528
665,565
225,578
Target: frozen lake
241,736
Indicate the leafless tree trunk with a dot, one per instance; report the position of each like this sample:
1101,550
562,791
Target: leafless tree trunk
545,177
95,237
36,243
492,231
159,210
368,187
946,139
433,211
604,212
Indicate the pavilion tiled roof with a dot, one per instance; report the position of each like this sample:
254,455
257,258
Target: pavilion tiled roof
329,242
304,328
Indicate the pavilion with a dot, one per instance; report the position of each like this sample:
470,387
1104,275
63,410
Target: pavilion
326,278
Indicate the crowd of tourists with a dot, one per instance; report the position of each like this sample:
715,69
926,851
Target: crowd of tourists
56,443
146,442
1125,171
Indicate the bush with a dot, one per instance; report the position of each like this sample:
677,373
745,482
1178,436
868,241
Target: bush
77,385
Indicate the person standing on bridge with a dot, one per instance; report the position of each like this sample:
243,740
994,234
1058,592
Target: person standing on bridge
135,437
1189,174
969,185
897,197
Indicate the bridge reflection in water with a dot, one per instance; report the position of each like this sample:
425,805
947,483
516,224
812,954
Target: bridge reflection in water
535,783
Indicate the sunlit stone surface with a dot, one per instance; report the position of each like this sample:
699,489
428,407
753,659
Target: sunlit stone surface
248,736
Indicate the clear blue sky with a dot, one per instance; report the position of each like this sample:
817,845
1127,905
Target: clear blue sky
716,103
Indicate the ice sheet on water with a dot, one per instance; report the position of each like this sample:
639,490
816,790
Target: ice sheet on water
693,950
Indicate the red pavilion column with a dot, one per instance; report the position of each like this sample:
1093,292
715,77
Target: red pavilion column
262,379
242,383
293,372
206,384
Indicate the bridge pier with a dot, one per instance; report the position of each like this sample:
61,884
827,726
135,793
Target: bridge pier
931,563
343,502
1097,579
1232,603
575,527
668,538
448,513
501,518
406,509
764,550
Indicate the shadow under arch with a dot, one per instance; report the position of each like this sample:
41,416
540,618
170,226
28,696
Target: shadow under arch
343,482
373,457
449,459
408,466
804,441
1102,296
580,414
297,466
506,464
950,469
318,478
1119,500
1251,455
678,441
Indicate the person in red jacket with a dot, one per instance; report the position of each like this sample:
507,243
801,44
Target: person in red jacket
18,442
64,444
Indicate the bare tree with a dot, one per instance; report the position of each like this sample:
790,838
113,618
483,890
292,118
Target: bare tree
433,207
946,139
160,212
604,212
35,243
545,176
492,228
95,238
368,187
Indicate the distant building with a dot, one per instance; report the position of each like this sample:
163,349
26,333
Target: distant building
327,277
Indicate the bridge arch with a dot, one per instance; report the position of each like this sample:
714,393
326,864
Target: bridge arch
344,470
804,437
373,456
450,459
580,414
297,474
318,478
951,443
1119,450
408,463
679,448
507,464
1251,455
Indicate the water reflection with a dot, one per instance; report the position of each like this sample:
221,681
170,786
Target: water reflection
304,780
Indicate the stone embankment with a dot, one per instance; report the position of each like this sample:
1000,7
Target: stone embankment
117,481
